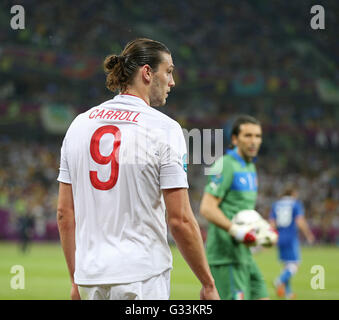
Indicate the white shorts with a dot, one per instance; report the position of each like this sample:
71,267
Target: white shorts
155,288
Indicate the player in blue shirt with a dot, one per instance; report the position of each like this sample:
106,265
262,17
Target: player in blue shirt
287,216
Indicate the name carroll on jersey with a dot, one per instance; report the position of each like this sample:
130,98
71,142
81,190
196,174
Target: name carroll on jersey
131,116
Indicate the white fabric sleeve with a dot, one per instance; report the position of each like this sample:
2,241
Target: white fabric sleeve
64,175
173,160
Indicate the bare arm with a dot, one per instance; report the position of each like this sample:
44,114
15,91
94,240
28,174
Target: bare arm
66,225
186,233
209,208
304,228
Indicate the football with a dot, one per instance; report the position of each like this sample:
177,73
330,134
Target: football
265,235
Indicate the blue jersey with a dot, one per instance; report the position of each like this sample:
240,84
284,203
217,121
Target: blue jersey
284,212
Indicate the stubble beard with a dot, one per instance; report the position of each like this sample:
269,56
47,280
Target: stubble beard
156,99
247,156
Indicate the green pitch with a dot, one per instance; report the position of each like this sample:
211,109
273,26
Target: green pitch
46,276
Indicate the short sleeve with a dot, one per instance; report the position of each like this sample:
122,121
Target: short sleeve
299,209
173,160
219,182
272,213
64,175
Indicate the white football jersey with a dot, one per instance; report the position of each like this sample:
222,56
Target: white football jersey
118,156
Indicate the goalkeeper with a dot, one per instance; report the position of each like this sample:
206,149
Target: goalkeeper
231,188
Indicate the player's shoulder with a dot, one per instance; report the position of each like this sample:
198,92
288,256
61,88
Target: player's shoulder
275,204
77,122
164,120
232,156
222,163
227,157
81,116
228,161
298,204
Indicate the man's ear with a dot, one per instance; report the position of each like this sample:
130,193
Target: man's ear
146,72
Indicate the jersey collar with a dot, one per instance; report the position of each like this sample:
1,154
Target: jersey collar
129,99
234,153
132,97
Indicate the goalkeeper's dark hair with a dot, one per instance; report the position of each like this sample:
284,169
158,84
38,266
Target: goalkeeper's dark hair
121,69
241,119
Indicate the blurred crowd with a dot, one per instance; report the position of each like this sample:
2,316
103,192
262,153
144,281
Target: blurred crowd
256,57
28,185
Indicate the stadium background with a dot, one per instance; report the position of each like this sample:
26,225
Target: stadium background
256,57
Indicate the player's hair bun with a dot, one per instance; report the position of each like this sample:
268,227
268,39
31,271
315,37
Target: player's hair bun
111,61
117,75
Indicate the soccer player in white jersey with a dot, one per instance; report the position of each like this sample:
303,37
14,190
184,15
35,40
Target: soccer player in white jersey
122,167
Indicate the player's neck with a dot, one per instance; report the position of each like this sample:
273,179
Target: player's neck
137,93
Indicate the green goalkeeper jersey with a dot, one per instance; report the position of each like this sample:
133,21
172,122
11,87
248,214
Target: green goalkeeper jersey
235,182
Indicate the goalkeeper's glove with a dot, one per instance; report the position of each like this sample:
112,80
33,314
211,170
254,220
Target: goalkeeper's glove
270,239
268,236
244,234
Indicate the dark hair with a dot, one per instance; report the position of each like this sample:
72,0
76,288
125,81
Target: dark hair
289,189
120,69
241,119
